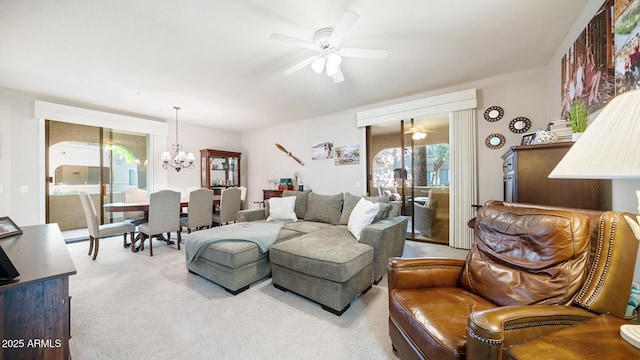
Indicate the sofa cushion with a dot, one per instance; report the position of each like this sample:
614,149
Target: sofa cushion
332,254
385,206
361,216
524,256
378,199
282,209
350,202
324,208
306,227
301,201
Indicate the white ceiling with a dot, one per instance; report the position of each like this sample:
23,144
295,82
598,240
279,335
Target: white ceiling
215,59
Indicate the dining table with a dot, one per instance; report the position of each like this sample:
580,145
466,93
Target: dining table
144,206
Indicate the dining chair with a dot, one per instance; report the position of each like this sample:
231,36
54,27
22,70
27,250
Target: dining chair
243,197
200,210
133,196
97,231
229,206
164,217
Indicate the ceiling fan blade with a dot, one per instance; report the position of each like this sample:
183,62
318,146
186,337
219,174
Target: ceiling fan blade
300,65
345,24
294,41
338,77
364,53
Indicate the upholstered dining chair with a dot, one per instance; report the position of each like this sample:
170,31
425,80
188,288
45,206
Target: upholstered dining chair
200,210
164,217
133,196
229,206
243,197
97,231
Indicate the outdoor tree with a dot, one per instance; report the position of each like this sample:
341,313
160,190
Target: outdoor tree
441,152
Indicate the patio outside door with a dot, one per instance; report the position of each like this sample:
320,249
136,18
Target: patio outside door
100,161
410,163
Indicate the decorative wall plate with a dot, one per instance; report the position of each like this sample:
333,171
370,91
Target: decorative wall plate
493,113
495,141
519,125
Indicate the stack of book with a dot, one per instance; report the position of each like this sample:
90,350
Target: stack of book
562,129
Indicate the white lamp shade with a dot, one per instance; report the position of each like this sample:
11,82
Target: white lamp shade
165,156
610,147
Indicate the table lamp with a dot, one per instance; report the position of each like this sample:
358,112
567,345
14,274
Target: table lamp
609,149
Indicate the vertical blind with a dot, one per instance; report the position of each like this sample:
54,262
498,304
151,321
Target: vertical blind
462,128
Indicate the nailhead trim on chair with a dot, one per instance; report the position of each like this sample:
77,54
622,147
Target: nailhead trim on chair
540,323
518,327
484,340
596,260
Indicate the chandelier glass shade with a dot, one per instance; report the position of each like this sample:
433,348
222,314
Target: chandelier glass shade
179,160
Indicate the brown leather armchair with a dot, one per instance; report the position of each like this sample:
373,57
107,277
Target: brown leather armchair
532,269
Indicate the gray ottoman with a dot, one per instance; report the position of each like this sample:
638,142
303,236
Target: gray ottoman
328,267
234,265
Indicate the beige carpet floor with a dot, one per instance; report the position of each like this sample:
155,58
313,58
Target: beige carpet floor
132,306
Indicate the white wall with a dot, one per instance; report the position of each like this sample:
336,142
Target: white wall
520,94
21,154
5,160
20,158
195,138
263,159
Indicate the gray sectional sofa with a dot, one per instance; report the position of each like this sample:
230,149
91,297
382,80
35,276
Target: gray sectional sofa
316,256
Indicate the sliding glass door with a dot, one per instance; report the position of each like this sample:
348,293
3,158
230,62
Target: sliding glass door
100,161
410,163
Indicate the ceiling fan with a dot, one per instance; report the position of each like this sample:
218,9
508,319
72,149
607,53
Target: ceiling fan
327,42
418,132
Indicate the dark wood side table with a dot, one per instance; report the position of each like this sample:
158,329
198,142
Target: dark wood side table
35,318
268,194
597,338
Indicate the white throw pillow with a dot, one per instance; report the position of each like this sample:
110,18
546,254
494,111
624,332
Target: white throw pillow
361,216
282,209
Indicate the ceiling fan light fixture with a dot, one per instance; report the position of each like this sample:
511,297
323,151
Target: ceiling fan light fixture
419,136
318,64
334,60
331,70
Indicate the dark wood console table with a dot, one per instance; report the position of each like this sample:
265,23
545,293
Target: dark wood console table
36,309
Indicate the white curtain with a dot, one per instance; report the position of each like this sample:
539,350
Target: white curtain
464,191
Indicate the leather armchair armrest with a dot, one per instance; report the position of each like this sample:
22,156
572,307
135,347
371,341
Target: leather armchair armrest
491,331
406,273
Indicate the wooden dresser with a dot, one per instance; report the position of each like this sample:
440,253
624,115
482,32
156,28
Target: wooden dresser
525,178
36,310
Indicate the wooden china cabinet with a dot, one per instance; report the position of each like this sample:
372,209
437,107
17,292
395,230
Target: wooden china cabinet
219,169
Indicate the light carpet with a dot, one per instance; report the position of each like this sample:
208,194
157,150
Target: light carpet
132,306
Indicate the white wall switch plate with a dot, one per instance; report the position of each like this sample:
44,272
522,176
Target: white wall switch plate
24,188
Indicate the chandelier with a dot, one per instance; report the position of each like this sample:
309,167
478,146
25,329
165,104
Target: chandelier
180,160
